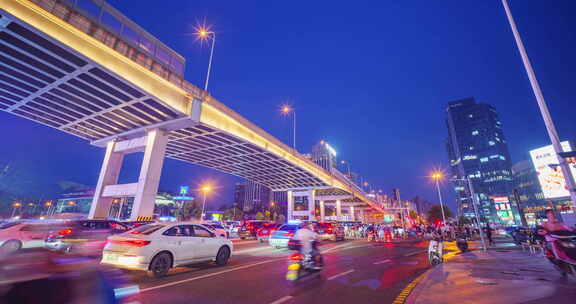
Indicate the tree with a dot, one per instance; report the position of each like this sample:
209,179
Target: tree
462,220
281,219
259,216
233,214
435,213
413,215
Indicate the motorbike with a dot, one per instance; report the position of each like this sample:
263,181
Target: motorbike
435,251
300,265
560,249
461,242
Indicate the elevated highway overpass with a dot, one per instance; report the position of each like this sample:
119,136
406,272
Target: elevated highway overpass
85,69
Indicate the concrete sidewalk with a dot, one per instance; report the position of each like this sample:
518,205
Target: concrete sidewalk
503,274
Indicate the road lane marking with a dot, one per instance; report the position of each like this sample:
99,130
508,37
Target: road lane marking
252,250
282,299
414,253
208,275
334,248
382,262
340,274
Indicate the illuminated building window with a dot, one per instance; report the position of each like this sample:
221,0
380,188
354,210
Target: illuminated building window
471,148
475,132
484,159
491,143
469,157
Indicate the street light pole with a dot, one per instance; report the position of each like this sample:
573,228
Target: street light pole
440,198
203,207
210,60
294,129
552,133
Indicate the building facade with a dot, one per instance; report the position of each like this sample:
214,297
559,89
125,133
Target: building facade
324,156
251,197
528,193
478,151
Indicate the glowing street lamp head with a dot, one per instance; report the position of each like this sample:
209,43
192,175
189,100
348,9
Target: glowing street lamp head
286,109
206,188
16,205
437,175
203,32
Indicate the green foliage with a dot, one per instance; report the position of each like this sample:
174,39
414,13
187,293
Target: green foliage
435,213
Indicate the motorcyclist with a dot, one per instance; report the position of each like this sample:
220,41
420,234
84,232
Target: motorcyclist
553,224
306,236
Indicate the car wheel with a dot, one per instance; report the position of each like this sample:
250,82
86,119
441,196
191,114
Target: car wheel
223,256
11,246
160,265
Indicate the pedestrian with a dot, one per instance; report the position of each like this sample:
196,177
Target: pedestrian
489,234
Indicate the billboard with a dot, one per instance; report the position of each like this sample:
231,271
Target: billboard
549,173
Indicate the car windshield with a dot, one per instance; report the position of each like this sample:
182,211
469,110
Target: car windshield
217,226
8,225
147,229
288,228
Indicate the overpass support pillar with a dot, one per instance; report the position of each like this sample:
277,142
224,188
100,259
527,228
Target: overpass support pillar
150,172
352,215
153,144
322,211
362,215
290,206
301,204
108,176
339,209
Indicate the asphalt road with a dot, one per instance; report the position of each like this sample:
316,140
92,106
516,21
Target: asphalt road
355,272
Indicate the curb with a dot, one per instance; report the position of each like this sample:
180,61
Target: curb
410,293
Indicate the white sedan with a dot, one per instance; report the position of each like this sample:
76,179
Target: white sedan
17,235
157,247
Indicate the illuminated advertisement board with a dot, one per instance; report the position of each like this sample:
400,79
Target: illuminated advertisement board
549,173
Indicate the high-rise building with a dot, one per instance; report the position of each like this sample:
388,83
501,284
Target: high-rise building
239,195
478,151
251,197
324,156
530,196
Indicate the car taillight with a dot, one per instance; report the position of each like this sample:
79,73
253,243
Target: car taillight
290,234
137,243
65,231
296,257
329,230
135,232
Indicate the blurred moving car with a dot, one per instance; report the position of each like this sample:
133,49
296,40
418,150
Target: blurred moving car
217,228
249,229
41,276
329,231
263,233
155,248
17,235
233,227
84,236
279,238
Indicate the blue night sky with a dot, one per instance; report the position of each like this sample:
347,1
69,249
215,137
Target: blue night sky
370,77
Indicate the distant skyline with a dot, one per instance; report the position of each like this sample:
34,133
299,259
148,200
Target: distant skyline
372,79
